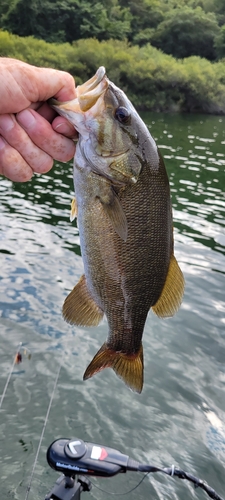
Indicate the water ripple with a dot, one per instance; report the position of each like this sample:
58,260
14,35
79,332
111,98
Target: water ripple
179,418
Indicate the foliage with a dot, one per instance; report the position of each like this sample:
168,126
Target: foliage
178,27
219,42
185,32
65,20
204,86
145,16
158,51
152,80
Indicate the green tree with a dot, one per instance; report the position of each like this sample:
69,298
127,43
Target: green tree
220,43
41,19
109,21
66,20
186,32
218,7
146,14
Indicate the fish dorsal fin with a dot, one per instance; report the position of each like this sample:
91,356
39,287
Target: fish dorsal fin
128,367
172,292
79,308
73,210
114,210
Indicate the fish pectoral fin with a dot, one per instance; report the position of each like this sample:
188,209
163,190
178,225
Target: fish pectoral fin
79,307
128,367
73,210
114,210
172,292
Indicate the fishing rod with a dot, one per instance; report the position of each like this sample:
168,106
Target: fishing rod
75,457
17,359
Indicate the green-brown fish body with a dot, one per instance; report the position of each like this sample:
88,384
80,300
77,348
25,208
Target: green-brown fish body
125,223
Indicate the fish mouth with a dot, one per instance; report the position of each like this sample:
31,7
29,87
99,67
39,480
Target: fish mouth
87,95
89,92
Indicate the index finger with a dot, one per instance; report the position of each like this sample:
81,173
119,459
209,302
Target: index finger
23,84
47,82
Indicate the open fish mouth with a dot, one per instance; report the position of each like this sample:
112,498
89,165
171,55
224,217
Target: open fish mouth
92,85
87,95
89,92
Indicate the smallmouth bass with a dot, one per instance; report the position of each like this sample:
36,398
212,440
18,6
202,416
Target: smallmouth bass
124,217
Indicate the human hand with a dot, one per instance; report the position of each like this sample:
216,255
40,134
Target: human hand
31,135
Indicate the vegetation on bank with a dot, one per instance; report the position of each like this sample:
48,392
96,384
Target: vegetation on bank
166,54
153,81
181,28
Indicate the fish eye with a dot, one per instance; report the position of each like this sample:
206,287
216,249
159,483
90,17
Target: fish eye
122,114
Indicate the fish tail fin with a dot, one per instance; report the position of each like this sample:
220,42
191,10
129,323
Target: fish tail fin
129,367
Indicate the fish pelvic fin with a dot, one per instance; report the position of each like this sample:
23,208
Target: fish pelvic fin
172,292
73,211
80,308
128,367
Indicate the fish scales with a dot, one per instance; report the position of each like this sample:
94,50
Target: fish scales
125,222
118,273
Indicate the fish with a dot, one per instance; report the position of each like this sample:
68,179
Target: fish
124,215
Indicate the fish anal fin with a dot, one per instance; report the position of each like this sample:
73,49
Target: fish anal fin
73,211
79,307
114,210
172,292
128,367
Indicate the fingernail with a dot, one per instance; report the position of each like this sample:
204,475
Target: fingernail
25,118
64,125
2,143
6,123
59,125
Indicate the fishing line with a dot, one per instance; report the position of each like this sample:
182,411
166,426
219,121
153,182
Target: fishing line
125,492
43,431
17,359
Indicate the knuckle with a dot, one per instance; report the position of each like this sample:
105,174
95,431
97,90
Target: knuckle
64,150
13,166
44,166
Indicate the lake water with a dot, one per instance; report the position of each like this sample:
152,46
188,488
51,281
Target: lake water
180,416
